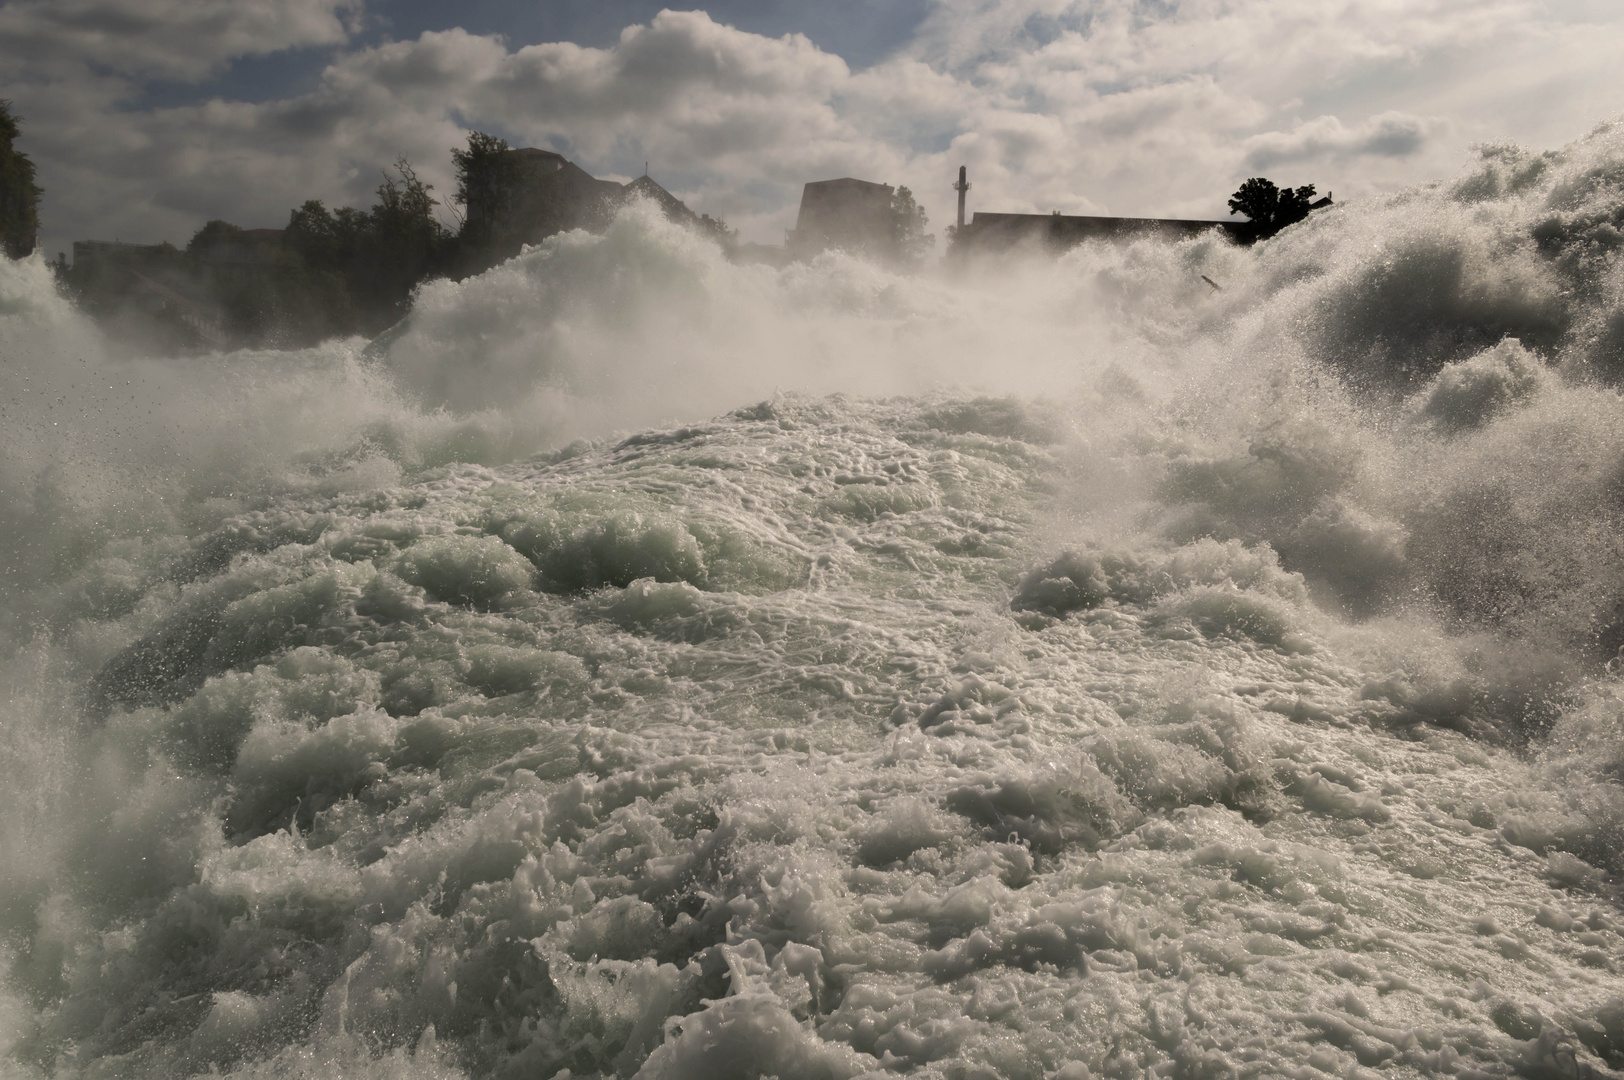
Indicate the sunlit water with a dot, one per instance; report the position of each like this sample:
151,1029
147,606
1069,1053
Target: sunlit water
643,665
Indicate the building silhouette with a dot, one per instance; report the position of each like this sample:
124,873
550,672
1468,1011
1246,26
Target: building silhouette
539,193
845,214
1058,232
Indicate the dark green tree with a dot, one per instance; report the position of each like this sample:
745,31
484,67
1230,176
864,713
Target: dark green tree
486,177
499,208
212,232
372,259
406,240
325,239
908,240
1269,207
19,195
717,230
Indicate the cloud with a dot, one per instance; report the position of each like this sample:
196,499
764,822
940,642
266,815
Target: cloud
75,68
1257,43
162,39
1391,134
1106,106
700,98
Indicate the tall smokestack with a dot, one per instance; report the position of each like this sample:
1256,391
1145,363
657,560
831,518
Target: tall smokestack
961,187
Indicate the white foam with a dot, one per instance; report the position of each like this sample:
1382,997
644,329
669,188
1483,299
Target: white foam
1166,682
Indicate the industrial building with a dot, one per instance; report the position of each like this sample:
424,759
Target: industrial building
844,214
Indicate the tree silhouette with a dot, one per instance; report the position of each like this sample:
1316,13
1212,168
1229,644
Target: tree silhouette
487,180
379,255
19,195
1271,208
908,240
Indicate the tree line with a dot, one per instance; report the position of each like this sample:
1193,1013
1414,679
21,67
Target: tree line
336,271
330,272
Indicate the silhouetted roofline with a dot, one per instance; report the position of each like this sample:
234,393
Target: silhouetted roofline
846,180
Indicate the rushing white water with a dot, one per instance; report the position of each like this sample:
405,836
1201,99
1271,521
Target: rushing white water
1049,669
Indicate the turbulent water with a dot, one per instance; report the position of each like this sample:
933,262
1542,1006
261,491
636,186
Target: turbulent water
640,665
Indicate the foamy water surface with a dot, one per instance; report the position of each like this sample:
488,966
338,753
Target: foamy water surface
640,665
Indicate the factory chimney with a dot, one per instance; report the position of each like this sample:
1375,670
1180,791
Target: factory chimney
961,187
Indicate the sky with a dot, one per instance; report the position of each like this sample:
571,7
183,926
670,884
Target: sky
147,118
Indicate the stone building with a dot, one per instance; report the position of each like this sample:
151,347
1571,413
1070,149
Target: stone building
232,247
544,193
539,193
1058,232
845,214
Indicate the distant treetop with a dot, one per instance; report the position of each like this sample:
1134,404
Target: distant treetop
1272,208
908,241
